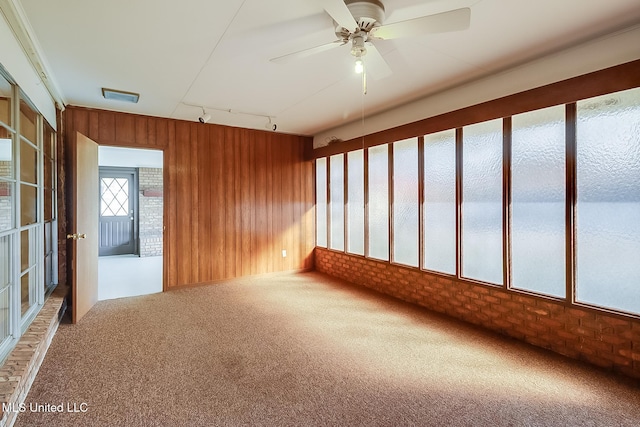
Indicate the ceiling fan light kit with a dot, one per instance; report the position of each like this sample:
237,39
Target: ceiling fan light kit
361,22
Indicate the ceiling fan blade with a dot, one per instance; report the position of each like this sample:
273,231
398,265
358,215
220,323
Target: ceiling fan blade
454,20
307,52
375,64
341,14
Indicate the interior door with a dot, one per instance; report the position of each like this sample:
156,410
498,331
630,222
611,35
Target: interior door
84,226
118,211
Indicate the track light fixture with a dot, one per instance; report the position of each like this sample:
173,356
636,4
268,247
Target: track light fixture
270,125
204,118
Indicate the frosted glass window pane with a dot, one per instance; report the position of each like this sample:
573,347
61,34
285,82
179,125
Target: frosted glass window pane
538,195
355,202
379,202
321,202
440,201
405,202
482,202
608,203
336,204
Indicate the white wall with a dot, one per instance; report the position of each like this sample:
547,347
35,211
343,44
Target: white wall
604,52
19,67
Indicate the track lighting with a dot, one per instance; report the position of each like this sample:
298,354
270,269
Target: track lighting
204,118
270,125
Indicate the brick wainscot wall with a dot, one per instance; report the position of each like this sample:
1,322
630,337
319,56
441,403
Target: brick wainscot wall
606,340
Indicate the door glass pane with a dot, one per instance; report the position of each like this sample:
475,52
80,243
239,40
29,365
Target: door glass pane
355,202
6,205
28,120
28,204
336,204
28,163
538,201
379,202
608,201
6,154
6,95
440,201
114,196
405,202
321,202
482,202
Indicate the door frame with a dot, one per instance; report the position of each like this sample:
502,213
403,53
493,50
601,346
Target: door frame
134,196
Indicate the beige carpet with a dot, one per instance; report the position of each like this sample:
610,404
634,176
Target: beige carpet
307,350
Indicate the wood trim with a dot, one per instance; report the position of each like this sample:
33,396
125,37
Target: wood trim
421,185
506,202
614,79
571,196
459,175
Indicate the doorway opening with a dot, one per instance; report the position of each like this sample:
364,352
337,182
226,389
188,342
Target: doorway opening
131,222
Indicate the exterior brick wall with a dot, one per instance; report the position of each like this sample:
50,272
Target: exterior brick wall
150,211
608,341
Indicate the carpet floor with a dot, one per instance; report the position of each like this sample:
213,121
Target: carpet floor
308,350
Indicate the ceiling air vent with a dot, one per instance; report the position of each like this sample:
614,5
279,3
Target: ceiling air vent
120,95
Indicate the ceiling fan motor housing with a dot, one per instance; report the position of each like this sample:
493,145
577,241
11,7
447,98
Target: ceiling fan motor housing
367,13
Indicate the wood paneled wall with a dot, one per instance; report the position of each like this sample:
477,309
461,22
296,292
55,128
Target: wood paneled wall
234,198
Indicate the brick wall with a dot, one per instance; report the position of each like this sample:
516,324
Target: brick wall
150,211
608,341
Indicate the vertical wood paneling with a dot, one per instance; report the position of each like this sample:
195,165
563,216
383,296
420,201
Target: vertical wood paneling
244,197
194,173
217,206
234,198
203,187
253,203
287,204
270,210
277,208
171,210
94,125
141,130
183,201
309,219
125,128
229,204
262,231
107,127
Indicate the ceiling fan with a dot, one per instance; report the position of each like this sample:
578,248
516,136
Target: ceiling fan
361,23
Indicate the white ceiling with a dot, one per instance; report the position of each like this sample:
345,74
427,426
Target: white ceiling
216,54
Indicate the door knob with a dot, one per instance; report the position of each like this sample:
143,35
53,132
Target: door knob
76,236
